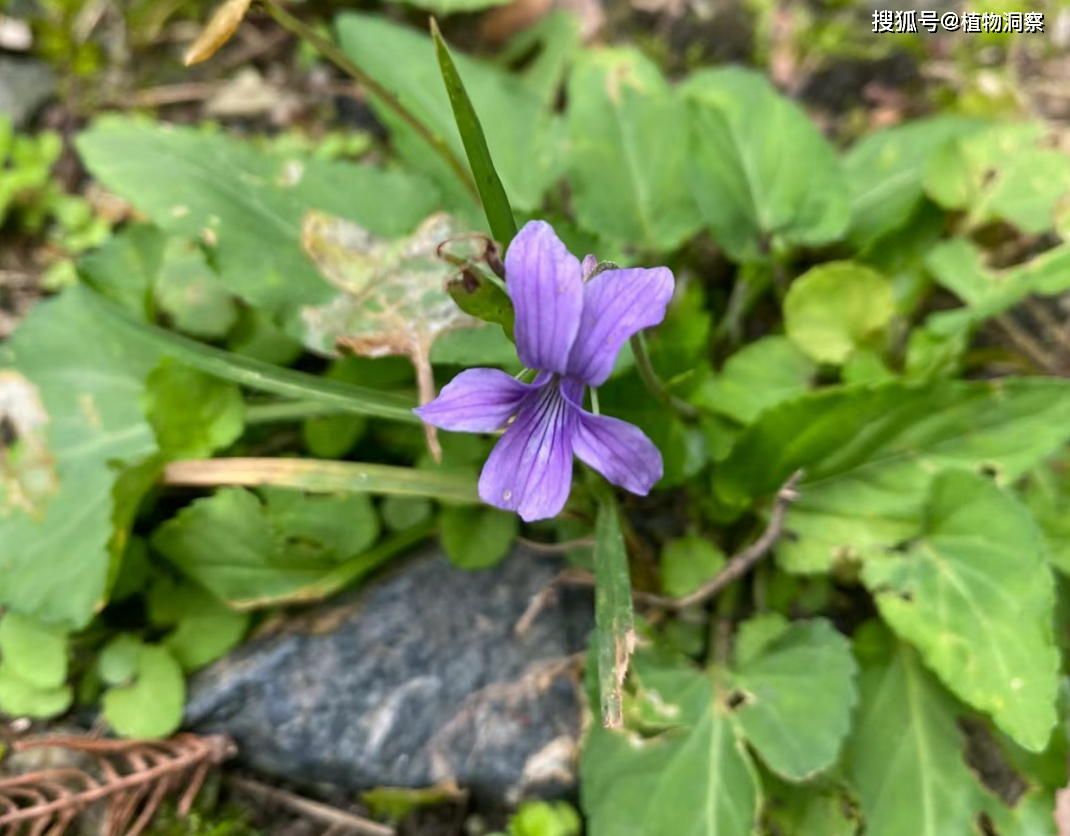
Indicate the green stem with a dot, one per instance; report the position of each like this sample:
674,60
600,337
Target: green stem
689,412
333,54
278,411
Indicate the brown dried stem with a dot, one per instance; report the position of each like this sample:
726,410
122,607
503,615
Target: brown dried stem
738,565
134,777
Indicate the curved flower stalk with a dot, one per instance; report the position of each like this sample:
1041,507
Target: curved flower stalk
570,331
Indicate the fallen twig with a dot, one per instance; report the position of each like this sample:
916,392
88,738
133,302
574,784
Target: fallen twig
738,565
332,816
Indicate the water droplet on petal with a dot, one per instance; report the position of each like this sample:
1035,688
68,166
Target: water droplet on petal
507,495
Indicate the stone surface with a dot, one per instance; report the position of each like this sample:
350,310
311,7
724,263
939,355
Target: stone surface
25,85
418,678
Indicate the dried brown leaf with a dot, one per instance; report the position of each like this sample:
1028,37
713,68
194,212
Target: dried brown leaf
220,28
393,300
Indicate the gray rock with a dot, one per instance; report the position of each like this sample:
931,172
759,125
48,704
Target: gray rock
25,85
418,679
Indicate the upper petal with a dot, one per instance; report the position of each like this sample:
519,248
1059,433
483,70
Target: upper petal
543,280
530,469
618,450
477,400
616,304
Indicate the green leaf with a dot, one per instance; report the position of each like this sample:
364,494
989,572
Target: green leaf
76,386
835,308
151,706
401,512
192,413
687,563
613,609
478,296
543,818
865,489
905,754
118,661
491,192
20,698
626,171
191,294
34,651
974,594
448,7
253,373
476,537
958,266
884,171
246,206
760,375
249,553
697,780
798,692
1046,494
1002,173
809,810
750,192
204,629
523,138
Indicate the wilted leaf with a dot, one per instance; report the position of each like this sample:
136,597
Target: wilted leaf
394,298
974,594
835,308
627,172
865,489
223,23
748,189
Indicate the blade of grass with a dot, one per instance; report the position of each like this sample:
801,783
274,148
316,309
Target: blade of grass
329,51
323,477
255,374
612,609
491,192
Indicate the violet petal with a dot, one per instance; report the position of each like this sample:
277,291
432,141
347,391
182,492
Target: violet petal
543,280
618,450
616,305
477,400
530,469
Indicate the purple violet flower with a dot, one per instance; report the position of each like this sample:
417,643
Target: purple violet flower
571,332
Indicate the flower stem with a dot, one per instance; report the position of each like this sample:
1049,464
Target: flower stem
333,54
689,412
